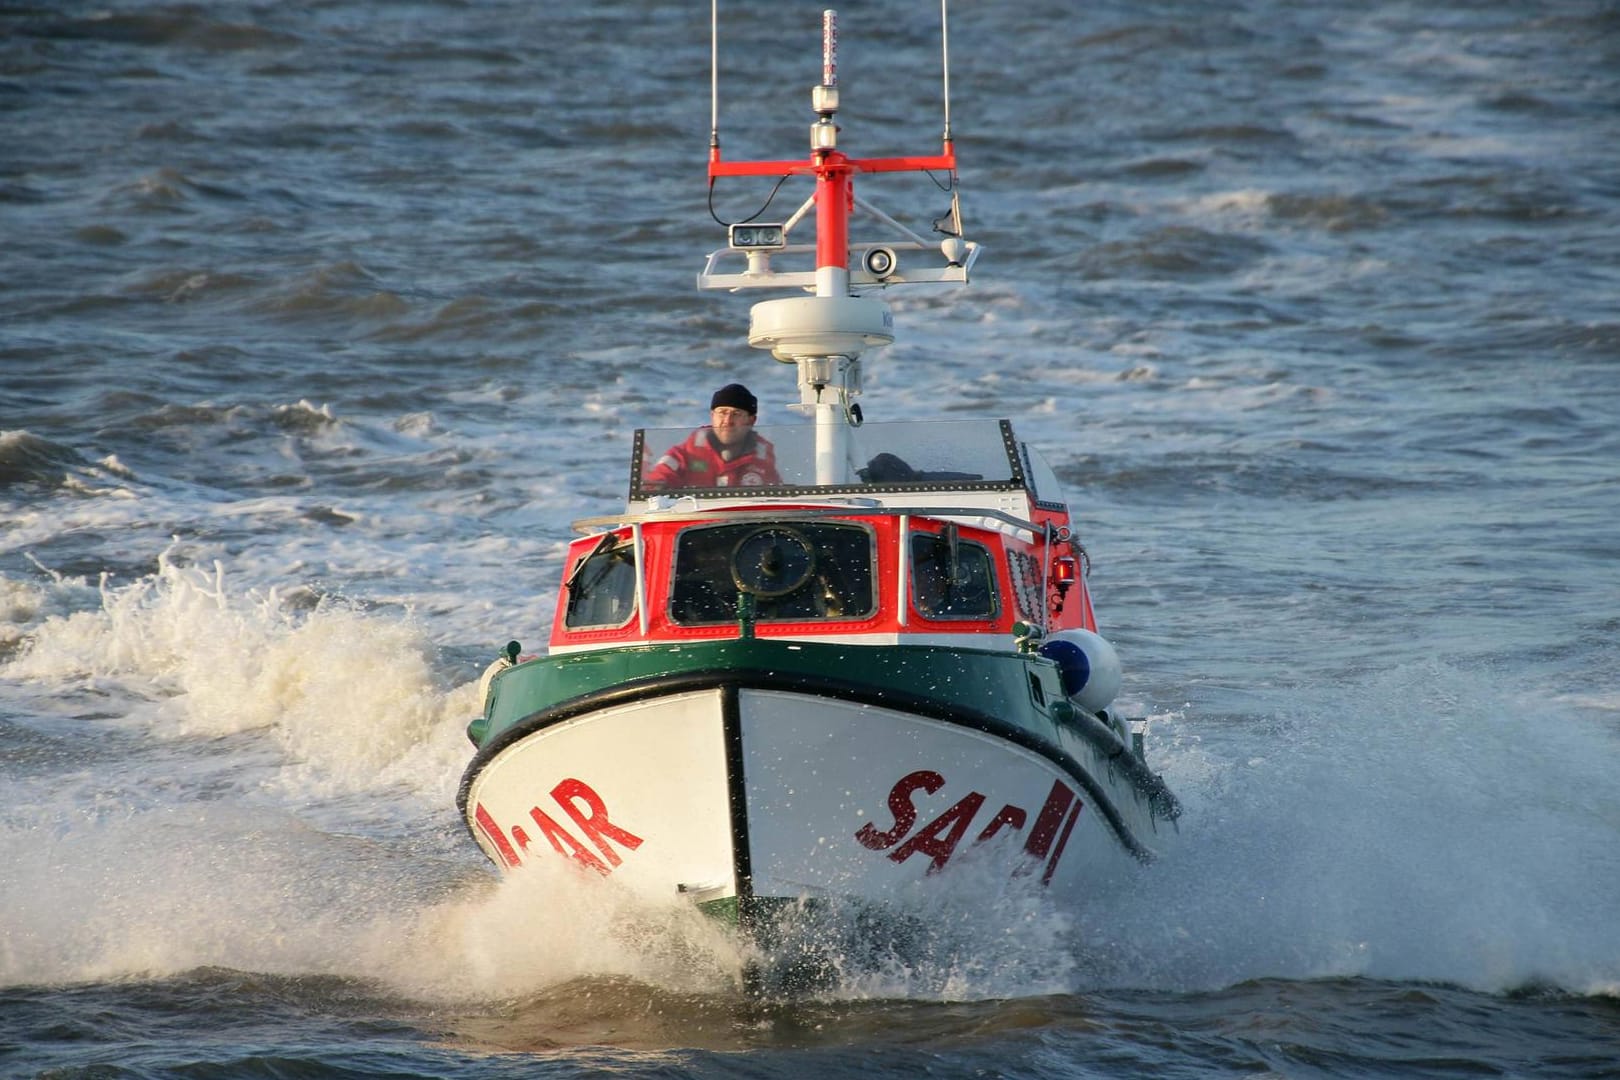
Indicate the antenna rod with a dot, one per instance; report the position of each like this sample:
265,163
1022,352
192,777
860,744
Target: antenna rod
945,65
833,191
714,74
829,48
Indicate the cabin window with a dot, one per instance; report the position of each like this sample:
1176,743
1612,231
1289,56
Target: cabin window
602,588
952,578
796,571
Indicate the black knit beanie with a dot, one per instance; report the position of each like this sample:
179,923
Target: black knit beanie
735,396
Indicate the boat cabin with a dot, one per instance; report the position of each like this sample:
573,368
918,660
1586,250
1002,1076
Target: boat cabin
916,532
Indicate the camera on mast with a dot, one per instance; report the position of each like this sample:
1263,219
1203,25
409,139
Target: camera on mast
755,237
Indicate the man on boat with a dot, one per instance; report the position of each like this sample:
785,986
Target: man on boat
727,453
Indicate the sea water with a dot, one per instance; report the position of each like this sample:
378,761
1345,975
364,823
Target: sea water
321,321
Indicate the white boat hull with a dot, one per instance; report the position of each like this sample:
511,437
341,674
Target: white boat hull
760,793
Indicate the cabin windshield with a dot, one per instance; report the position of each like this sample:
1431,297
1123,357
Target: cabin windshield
901,456
795,571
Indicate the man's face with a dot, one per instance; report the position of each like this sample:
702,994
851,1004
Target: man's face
730,425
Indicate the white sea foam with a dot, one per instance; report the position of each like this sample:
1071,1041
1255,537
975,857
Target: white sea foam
222,827
346,696
541,926
1422,823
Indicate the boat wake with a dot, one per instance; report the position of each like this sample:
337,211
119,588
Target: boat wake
1424,822
1420,823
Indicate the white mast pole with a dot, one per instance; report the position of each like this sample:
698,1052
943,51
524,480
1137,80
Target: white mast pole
714,74
821,378
945,62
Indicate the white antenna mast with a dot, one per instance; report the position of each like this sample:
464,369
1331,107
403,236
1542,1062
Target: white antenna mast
945,61
714,75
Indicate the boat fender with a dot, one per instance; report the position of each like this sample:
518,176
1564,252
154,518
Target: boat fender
1087,665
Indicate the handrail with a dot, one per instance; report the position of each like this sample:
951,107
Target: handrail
586,526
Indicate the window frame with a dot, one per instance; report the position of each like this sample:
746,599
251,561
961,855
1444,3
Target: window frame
811,528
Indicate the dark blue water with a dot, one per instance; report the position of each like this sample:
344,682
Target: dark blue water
320,320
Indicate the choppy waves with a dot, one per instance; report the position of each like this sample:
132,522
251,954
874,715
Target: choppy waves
321,322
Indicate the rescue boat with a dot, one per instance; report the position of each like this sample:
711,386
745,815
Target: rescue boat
836,688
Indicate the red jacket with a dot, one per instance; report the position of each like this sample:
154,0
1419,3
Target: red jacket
700,463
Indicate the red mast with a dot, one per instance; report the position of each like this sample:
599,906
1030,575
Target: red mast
834,171
825,334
